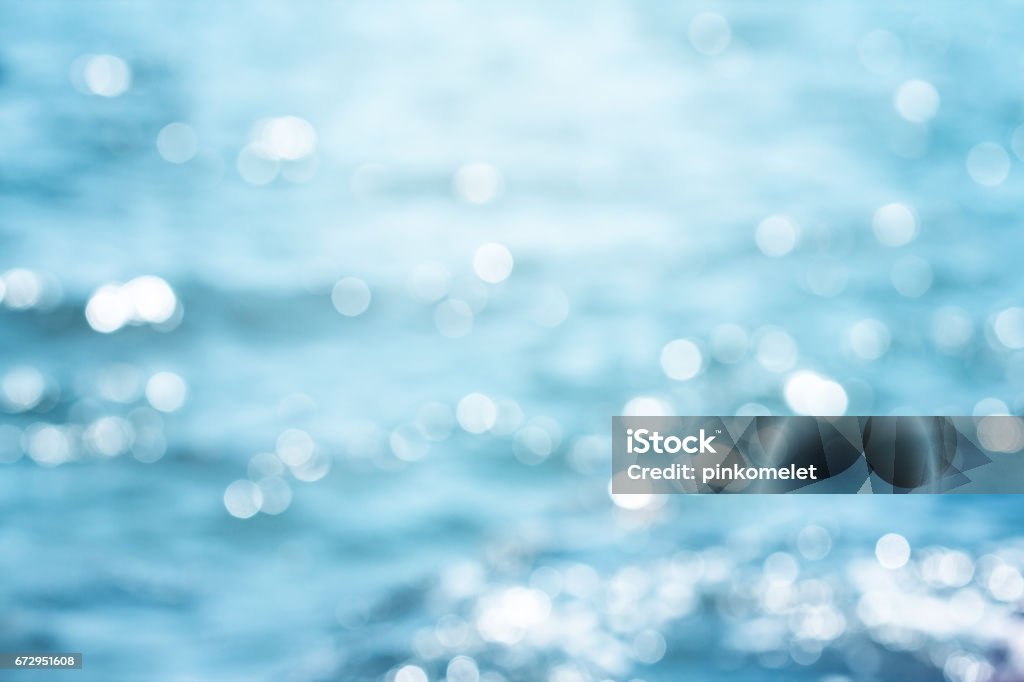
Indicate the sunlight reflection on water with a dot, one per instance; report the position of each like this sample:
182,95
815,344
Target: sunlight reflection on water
313,323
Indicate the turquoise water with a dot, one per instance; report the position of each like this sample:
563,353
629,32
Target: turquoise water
238,480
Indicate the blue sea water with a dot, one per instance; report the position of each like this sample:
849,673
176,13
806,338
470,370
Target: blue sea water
240,482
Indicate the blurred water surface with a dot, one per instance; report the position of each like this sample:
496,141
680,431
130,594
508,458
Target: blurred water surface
314,316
